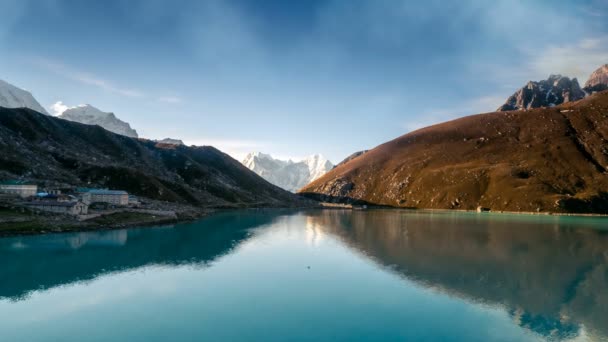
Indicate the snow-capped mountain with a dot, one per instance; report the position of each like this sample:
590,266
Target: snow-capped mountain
288,175
89,115
13,97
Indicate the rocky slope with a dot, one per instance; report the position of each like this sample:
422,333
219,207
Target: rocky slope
598,81
49,150
89,115
553,91
546,159
288,175
13,97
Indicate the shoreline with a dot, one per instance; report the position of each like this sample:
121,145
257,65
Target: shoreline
75,226
341,206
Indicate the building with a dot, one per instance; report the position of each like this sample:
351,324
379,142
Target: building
18,187
115,197
134,201
67,208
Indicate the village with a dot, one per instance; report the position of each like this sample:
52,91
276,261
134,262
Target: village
78,202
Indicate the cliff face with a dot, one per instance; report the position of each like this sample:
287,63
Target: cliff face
546,159
598,81
553,91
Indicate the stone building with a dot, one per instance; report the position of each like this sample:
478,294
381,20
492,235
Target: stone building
67,208
18,187
115,197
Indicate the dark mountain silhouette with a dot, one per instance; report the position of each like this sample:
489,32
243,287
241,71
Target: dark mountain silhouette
48,150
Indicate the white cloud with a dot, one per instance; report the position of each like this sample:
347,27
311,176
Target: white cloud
58,108
170,99
578,59
86,78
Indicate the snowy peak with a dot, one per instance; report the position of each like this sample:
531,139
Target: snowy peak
13,97
555,90
317,166
598,81
287,174
89,115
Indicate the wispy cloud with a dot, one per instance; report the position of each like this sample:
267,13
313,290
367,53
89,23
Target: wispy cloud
12,11
578,59
86,78
170,99
483,104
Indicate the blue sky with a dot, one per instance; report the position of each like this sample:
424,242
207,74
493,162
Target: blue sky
293,78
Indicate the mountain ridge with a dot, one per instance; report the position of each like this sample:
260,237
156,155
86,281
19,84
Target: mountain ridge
15,97
56,152
89,115
544,159
555,90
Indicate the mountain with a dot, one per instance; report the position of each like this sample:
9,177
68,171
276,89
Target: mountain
89,115
56,152
170,141
13,97
351,157
545,159
553,91
288,175
598,81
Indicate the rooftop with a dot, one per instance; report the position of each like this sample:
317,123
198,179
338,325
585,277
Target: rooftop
51,204
107,192
15,182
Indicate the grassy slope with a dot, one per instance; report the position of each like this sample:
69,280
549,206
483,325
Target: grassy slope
542,159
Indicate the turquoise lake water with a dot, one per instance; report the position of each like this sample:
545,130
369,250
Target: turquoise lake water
333,275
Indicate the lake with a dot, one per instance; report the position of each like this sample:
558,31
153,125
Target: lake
313,275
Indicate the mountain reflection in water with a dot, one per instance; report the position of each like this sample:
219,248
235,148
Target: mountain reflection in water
549,273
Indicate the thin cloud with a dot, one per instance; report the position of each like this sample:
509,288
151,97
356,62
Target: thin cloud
170,99
86,78
578,59
483,104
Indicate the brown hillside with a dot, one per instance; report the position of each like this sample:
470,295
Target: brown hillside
546,159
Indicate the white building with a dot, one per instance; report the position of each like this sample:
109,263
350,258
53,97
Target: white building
115,197
17,187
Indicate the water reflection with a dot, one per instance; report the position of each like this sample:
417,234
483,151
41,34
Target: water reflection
43,262
550,273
